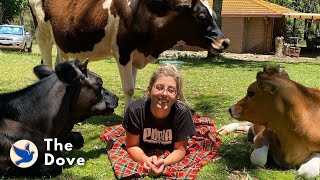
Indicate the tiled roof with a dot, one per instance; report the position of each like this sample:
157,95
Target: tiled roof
250,8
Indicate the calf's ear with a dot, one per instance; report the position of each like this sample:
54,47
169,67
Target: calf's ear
284,74
42,71
66,73
267,82
276,70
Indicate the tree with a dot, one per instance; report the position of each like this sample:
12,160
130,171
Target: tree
305,6
285,3
217,8
9,9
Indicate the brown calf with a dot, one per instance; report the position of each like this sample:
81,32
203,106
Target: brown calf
285,117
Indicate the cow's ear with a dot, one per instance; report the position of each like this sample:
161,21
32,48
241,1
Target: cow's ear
66,73
83,67
85,63
42,71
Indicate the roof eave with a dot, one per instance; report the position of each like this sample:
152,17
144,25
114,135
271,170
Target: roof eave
302,15
275,15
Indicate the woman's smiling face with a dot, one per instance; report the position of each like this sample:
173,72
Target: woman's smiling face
163,93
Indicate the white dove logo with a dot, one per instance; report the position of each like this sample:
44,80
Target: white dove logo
24,153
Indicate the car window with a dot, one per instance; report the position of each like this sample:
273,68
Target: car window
10,30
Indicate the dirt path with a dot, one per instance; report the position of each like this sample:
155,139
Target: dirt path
170,54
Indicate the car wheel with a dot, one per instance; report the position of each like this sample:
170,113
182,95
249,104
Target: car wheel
30,48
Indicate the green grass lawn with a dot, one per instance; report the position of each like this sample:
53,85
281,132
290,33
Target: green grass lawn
211,87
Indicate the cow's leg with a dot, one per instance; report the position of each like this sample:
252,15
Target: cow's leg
76,139
241,127
311,168
126,75
44,39
43,31
61,56
134,75
261,143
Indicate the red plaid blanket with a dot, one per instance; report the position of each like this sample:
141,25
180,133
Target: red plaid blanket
201,149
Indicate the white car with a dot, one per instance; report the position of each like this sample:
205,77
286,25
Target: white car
15,37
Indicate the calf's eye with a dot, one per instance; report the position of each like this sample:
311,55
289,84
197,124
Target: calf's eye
250,93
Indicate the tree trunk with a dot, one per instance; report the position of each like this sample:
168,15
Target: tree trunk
1,13
217,8
21,18
294,27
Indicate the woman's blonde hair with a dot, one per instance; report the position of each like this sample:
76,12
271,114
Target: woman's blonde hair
169,70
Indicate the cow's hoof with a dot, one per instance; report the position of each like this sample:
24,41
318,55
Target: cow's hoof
76,139
228,128
50,171
259,156
234,127
309,170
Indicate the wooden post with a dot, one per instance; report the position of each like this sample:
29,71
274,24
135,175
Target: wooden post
279,45
294,27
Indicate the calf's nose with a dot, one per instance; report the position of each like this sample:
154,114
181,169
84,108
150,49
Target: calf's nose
230,111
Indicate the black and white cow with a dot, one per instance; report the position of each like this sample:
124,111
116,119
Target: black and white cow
69,95
135,32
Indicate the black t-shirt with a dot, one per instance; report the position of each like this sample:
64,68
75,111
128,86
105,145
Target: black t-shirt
154,133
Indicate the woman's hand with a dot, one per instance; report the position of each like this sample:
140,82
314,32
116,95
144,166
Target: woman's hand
148,163
136,153
158,166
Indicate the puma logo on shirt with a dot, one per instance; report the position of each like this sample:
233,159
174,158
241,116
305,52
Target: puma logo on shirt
153,135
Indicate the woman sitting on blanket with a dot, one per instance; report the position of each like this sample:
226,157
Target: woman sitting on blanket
159,121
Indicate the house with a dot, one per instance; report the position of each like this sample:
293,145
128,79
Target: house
252,25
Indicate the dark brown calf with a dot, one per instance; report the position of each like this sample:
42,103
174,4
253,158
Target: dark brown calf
49,109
